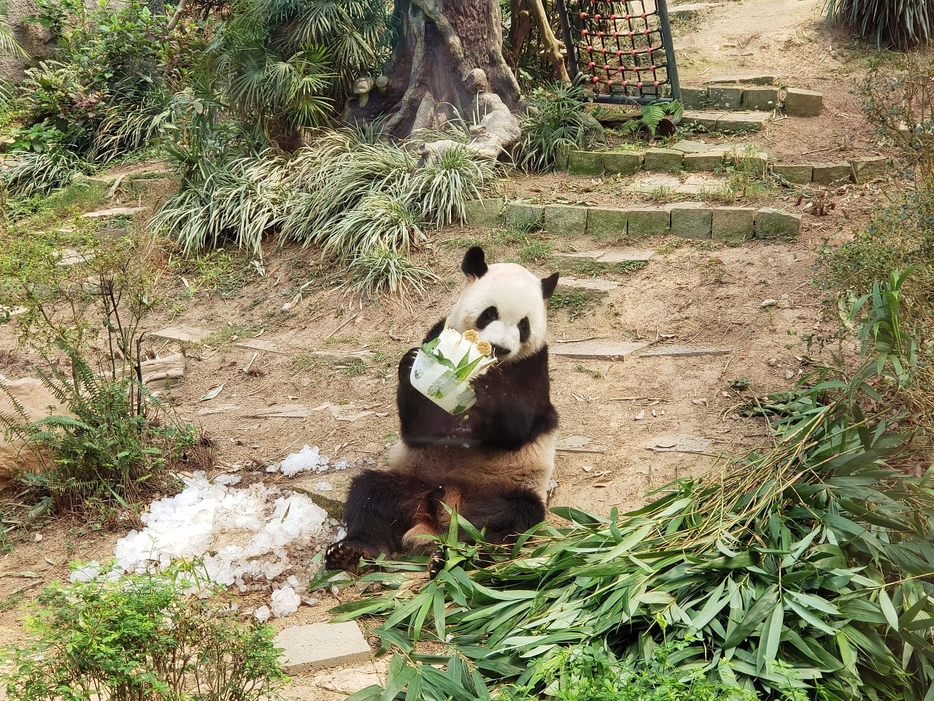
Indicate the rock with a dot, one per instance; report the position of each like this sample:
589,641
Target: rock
184,334
803,103
732,224
665,160
794,173
37,402
486,212
775,224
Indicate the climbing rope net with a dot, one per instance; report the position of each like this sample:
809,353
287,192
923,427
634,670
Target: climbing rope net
622,50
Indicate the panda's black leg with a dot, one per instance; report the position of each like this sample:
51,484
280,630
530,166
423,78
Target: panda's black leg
504,515
379,510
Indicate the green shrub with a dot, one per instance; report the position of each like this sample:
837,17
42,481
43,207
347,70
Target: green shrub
105,89
138,638
120,446
556,121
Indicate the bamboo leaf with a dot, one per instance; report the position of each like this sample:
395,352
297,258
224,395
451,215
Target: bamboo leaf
888,610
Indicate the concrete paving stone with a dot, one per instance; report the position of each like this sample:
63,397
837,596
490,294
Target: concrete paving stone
796,174
630,255
831,173
732,224
581,255
317,645
760,98
114,212
648,222
704,186
690,220
487,212
595,350
565,220
755,79
654,183
701,119
608,224
524,215
868,169
775,224
589,288
664,160
688,146
803,103
742,121
561,157
728,97
585,163
678,443
710,160
182,334
683,351
622,162
693,98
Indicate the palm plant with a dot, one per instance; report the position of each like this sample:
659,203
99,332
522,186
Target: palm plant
284,65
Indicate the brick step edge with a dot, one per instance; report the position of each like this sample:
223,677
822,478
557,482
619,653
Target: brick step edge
672,160
731,225
793,102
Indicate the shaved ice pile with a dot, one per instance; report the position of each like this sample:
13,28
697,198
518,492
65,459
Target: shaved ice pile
243,535
309,459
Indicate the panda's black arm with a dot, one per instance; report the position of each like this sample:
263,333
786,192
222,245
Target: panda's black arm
513,405
421,421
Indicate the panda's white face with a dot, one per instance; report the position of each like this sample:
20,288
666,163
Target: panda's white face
506,305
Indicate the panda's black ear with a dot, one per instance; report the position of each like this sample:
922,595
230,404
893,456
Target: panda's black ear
548,285
474,263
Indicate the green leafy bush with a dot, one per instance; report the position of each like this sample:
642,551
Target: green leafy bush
141,637
555,122
120,445
105,88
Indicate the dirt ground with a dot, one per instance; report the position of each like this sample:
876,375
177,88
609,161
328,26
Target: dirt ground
694,294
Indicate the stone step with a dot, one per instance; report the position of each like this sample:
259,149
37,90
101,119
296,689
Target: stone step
689,219
619,261
725,122
587,288
739,95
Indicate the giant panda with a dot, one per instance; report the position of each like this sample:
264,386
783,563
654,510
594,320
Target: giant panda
492,464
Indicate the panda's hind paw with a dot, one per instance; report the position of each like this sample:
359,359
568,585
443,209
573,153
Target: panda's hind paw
435,562
342,556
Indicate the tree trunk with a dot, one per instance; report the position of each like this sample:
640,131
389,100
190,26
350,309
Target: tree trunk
448,65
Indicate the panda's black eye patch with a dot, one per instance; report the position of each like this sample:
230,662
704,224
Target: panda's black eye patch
525,330
487,317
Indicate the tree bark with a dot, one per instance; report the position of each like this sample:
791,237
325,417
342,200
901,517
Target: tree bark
448,65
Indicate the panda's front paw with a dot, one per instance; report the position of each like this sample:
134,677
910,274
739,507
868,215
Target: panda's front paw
342,556
405,365
435,563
